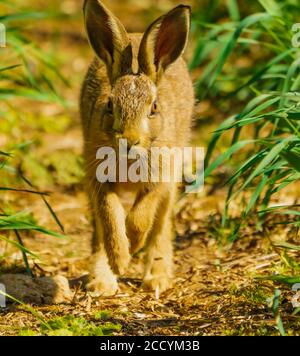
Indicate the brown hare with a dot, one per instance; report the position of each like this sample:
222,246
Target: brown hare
138,88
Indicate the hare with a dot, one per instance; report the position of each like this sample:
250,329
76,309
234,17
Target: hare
137,88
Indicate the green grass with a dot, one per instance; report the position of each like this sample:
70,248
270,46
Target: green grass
265,132
26,72
251,72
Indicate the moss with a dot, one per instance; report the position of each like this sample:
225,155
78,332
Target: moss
73,326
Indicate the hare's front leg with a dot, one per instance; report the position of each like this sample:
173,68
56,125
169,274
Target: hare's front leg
159,259
111,246
101,278
112,214
140,219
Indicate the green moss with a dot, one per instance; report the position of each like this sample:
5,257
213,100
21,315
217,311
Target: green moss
255,294
73,326
103,315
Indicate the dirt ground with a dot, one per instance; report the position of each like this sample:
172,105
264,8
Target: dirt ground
214,290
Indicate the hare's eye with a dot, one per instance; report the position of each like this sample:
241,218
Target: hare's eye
154,109
110,107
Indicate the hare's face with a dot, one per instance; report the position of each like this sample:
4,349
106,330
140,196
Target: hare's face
133,107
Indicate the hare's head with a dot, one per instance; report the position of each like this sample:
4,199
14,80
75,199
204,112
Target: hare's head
133,108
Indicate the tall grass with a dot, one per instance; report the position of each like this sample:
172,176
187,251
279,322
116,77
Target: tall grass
24,69
265,132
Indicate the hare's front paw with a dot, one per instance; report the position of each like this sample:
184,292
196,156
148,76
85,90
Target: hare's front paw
159,284
137,231
103,288
119,262
137,240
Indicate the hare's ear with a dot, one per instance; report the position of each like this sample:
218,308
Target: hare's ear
164,42
108,38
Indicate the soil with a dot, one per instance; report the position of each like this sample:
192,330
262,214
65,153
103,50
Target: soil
214,291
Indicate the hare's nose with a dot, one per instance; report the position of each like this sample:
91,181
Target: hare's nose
127,143
132,143
132,139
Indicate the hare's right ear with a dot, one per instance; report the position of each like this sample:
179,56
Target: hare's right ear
108,38
164,42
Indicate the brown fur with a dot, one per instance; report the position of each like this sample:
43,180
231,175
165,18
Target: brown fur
138,76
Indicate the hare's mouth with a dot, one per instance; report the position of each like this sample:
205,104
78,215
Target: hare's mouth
133,153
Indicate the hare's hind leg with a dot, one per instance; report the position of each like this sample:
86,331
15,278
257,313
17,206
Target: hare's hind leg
159,258
101,279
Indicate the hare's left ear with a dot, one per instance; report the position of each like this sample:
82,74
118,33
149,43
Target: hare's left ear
108,38
164,42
